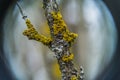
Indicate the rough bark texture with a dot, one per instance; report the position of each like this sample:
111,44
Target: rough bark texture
60,41
59,46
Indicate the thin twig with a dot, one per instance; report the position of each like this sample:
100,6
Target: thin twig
21,11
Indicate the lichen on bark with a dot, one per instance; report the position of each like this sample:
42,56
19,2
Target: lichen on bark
60,42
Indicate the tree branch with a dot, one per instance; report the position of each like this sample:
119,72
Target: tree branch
60,41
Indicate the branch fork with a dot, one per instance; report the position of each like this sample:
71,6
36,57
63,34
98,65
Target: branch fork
60,41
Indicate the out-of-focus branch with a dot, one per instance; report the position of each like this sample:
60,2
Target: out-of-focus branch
60,41
21,11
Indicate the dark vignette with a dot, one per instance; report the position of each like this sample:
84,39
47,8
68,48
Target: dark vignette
112,72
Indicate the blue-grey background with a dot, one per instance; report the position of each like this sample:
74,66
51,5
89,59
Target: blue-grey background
110,73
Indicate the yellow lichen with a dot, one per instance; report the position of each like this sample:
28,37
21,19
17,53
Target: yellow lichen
28,23
31,33
59,26
69,37
67,58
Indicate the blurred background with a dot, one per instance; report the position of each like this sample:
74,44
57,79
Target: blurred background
112,72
